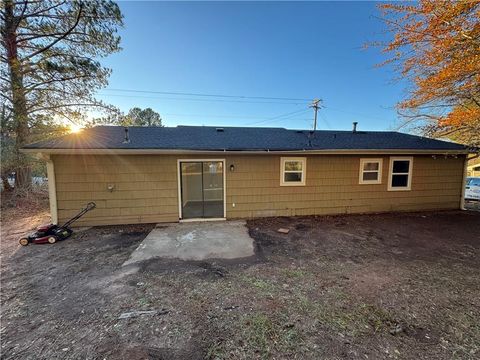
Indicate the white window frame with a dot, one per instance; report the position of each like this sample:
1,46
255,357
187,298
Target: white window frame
391,174
362,171
283,160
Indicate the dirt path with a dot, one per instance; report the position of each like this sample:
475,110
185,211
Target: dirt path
382,286
16,222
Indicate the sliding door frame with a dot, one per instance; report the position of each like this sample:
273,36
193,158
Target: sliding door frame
179,185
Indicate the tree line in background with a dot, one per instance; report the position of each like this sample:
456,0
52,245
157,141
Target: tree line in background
45,127
134,117
49,65
50,70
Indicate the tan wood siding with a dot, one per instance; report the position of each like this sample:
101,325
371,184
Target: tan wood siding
332,187
146,187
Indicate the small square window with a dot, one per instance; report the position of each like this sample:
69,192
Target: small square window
400,177
370,171
292,171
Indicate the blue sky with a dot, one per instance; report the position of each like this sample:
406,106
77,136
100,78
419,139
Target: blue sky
270,49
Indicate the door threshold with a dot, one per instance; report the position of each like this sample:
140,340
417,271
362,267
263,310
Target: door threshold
201,219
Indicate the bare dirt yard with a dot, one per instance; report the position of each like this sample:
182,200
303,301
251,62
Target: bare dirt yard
380,286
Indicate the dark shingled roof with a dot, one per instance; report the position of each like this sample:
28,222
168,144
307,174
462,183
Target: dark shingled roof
240,139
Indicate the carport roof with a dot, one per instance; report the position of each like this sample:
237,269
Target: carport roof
208,138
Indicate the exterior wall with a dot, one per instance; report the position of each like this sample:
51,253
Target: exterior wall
145,187
332,187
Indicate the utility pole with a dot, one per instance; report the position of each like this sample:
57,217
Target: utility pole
315,105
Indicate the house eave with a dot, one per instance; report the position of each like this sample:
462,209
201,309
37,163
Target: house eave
243,152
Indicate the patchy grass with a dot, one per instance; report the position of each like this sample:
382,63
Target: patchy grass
260,333
263,331
294,273
263,286
334,287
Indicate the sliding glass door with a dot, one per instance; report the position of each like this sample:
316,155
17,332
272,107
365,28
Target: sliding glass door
202,191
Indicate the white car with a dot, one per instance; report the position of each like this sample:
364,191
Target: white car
472,189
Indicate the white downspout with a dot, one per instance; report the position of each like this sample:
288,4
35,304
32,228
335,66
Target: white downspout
464,183
52,189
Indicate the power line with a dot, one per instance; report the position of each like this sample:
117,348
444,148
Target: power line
282,117
238,117
215,116
208,95
203,100
325,120
224,97
353,113
282,100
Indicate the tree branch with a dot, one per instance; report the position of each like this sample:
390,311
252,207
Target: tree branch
19,20
51,108
42,10
5,96
21,39
61,37
29,89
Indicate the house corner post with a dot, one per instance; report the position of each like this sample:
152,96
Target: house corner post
52,189
464,183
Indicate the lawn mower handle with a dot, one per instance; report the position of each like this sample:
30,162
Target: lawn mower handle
90,206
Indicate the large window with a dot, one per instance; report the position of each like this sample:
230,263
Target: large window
400,173
292,171
370,171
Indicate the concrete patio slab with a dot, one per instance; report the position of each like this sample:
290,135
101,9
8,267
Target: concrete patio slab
195,241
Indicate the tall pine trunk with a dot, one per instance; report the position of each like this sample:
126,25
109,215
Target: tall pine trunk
20,113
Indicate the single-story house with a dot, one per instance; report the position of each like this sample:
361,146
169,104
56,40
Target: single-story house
165,174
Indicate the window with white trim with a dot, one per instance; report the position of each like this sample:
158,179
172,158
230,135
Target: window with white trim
400,177
370,171
292,171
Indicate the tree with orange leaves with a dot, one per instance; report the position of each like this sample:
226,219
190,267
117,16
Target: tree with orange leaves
436,46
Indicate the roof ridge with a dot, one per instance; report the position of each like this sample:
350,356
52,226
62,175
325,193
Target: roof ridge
244,127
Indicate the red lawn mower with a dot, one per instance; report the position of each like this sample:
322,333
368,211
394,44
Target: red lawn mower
50,234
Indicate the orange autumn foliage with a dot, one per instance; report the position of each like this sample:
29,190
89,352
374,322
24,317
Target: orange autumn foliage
436,46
